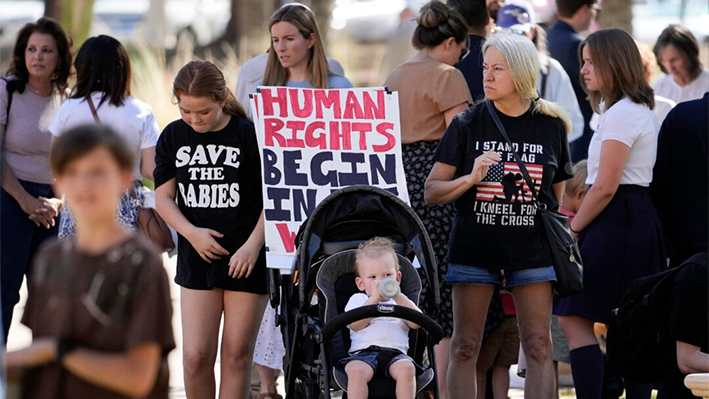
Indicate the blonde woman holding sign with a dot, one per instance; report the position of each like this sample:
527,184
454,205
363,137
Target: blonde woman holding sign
208,161
431,93
296,57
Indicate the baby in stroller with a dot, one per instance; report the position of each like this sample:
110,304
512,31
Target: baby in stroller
380,342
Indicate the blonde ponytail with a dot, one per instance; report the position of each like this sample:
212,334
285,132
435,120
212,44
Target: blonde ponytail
554,110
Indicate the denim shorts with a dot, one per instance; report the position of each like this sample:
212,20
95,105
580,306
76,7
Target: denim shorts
461,274
370,355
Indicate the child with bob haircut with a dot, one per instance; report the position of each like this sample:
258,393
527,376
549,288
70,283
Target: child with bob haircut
209,162
575,190
99,302
376,260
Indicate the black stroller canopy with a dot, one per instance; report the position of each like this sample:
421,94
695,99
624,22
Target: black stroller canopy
353,215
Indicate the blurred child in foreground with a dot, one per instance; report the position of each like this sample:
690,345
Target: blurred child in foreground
99,303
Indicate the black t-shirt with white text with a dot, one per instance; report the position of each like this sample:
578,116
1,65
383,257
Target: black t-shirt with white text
496,226
218,187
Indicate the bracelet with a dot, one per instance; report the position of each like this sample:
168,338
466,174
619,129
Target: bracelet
574,231
64,346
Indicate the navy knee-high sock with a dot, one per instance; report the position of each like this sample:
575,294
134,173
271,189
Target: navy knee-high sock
587,370
637,390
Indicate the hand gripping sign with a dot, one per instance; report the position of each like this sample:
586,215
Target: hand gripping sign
316,141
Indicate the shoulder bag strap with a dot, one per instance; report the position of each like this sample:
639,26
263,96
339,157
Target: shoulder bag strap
10,86
544,81
522,168
98,120
93,109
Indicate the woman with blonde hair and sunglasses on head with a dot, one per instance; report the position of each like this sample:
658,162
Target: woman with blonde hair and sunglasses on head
495,230
431,92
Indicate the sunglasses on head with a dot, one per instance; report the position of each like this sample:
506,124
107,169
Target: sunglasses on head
517,31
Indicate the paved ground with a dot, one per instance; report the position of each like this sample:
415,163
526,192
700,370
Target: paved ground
20,336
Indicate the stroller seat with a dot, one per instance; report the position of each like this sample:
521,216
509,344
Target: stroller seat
336,284
314,326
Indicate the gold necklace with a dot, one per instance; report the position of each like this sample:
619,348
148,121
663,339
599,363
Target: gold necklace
36,91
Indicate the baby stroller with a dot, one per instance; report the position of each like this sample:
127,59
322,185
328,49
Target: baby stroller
314,296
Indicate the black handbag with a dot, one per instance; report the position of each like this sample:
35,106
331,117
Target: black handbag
564,249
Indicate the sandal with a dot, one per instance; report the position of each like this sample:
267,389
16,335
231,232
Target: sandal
269,395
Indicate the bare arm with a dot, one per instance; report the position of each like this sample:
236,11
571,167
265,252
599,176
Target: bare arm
242,262
41,352
202,239
147,162
690,359
403,300
132,373
559,191
372,300
440,188
452,112
613,157
39,211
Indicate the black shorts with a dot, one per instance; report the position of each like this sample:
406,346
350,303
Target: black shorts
195,273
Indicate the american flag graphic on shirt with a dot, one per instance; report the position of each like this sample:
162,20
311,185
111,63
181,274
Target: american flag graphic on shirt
504,181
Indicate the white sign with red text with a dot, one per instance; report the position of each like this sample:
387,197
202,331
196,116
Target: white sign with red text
316,141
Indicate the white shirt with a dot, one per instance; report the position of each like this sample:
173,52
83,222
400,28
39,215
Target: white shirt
134,121
663,106
560,91
667,87
387,332
634,125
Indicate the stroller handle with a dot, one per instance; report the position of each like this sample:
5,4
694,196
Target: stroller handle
340,321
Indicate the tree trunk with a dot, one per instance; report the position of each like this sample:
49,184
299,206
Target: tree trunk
322,10
255,17
233,31
74,15
247,30
52,9
617,14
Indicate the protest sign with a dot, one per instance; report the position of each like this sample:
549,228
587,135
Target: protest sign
316,141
